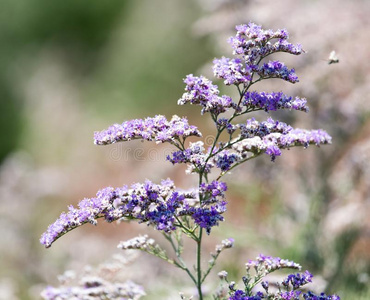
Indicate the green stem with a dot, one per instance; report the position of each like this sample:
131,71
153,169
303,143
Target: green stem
199,265
181,263
188,231
210,267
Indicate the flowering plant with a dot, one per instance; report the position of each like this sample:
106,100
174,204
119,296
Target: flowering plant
176,212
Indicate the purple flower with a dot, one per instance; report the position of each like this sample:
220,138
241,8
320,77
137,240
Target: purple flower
276,69
208,212
272,136
157,205
254,43
297,280
194,156
148,202
207,217
289,289
290,295
157,129
224,123
312,296
231,70
269,264
238,295
212,206
225,159
304,138
273,101
283,45
201,91
254,128
88,210
241,295
210,191
272,149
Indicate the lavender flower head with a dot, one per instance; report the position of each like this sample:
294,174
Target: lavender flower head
289,289
268,264
201,91
276,69
273,101
297,280
271,136
194,156
232,71
151,129
157,205
252,42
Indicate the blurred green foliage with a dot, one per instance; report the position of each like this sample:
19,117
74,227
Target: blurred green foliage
83,25
9,119
26,26
125,55
147,59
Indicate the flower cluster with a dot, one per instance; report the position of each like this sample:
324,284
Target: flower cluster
276,69
88,211
232,71
225,244
255,137
225,159
312,296
201,91
297,280
267,264
207,217
268,137
145,244
194,156
155,204
289,288
95,288
272,136
210,192
139,242
157,129
284,295
273,101
241,295
211,207
252,128
254,43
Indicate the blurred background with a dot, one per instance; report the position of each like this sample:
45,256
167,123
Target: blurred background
69,68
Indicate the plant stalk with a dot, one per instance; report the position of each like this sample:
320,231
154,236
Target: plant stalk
199,264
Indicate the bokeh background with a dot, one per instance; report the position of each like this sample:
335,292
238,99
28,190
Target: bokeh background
69,68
